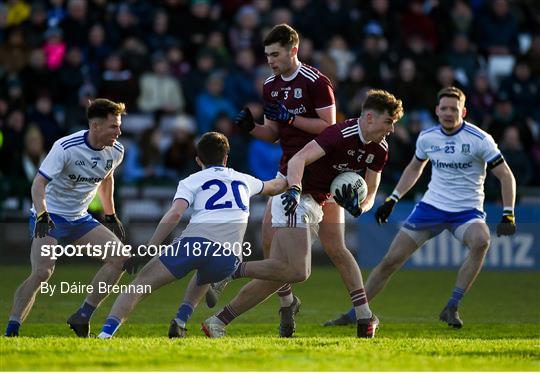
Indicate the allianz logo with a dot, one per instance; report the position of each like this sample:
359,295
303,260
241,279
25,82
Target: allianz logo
444,250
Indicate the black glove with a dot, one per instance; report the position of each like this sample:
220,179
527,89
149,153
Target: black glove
135,263
44,225
384,210
507,226
291,199
348,199
244,120
278,113
115,225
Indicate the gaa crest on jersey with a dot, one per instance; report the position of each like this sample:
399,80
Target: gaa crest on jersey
274,94
465,148
108,165
298,93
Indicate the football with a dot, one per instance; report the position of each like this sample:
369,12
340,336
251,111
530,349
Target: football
352,178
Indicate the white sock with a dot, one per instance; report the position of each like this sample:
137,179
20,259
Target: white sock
180,323
286,300
104,335
363,311
215,320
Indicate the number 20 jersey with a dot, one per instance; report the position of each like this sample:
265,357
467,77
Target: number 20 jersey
220,198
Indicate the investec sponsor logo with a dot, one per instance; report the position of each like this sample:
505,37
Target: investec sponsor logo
453,165
444,250
83,179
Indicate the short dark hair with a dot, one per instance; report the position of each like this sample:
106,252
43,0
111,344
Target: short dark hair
452,92
283,34
212,148
102,107
381,101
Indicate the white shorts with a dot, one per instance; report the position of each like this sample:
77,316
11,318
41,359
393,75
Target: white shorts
308,214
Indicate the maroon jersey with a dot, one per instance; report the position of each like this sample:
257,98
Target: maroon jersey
345,151
303,92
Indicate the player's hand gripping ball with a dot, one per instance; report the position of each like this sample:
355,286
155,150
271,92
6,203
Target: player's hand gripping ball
278,113
349,190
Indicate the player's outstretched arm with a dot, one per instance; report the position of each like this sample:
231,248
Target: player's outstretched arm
373,179
106,193
307,155
274,187
507,226
169,221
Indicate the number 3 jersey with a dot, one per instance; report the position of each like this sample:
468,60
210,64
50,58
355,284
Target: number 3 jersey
75,170
219,197
458,164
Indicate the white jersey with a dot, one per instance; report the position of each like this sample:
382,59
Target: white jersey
220,200
458,164
75,170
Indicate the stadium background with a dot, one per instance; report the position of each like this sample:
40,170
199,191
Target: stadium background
187,67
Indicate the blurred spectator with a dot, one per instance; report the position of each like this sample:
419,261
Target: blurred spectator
463,59
125,25
42,115
33,154
159,39
118,83
533,56
381,14
332,19
480,100
14,52
56,13
160,91
414,21
217,46
244,33
178,65
497,29
304,16
306,53
197,25
144,161
373,56
135,55
238,143
515,156
411,88
37,25
180,155
193,82
353,91
54,48
524,90
263,158
506,115
342,56
97,48
71,77
18,11
36,78
462,18
211,102
11,151
76,114
239,87
76,23
15,97
425,60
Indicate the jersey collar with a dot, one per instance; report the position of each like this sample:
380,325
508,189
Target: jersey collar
455,133
88,143
360,132
293,75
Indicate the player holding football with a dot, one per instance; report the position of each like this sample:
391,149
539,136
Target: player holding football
458,152
354,145
212,243
77,167
299,105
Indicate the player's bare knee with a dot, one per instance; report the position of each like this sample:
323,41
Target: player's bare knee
479,245
390,263
299,274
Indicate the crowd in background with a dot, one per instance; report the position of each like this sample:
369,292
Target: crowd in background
184,67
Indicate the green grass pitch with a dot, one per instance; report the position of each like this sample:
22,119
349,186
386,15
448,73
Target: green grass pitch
501,332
